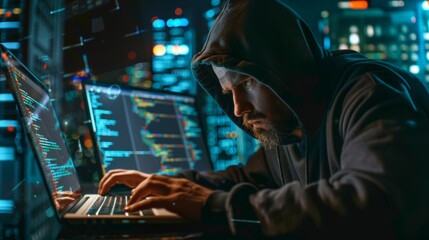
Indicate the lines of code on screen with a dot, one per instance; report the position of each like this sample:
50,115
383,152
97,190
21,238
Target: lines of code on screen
147,131
45,133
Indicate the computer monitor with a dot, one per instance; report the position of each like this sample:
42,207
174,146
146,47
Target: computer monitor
145,129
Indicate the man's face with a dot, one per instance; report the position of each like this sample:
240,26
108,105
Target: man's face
262,111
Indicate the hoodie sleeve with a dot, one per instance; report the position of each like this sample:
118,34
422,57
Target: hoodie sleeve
255,172
227,183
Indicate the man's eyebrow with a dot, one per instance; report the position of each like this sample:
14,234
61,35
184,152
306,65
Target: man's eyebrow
235,84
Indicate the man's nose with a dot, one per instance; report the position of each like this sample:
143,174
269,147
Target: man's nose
242,105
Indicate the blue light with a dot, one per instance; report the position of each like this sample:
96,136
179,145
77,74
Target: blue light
10,24
157,85
177,22
181,49
184,49
6,206
167,79
414,69
6,97
50,212
85,61
326,42
169,49
209,14
11,45
158,66
7,153
158,24
170,22
57,11
215,2
425,5
185,22
8,123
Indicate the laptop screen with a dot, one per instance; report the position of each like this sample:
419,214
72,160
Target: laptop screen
42,126
145,130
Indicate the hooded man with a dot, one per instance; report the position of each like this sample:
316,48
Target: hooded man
344,138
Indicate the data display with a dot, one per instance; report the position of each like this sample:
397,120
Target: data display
146,130
43,128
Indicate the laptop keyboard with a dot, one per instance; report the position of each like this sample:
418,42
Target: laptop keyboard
114,205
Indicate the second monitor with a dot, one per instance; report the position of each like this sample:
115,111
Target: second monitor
146,130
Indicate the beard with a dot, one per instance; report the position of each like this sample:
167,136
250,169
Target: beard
276,133
269,138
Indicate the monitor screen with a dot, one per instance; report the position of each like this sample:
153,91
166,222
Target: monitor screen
43,129
146,130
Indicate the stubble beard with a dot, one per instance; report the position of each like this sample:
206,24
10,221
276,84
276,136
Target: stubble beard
269,138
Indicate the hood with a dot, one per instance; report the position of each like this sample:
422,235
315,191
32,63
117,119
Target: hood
270,42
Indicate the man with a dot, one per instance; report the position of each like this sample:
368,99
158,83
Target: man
345,138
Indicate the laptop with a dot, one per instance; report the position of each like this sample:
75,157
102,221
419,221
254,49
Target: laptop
142,129
54,159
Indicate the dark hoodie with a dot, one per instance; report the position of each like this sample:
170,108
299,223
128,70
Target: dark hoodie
361,169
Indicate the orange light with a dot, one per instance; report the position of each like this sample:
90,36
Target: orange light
45,66
8,14
87,140
358,4
125,78
153,18
10,129
178,11
88,143
16,11
159,50
4,56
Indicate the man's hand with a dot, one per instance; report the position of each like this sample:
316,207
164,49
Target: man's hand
129,178
63,199
177,195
